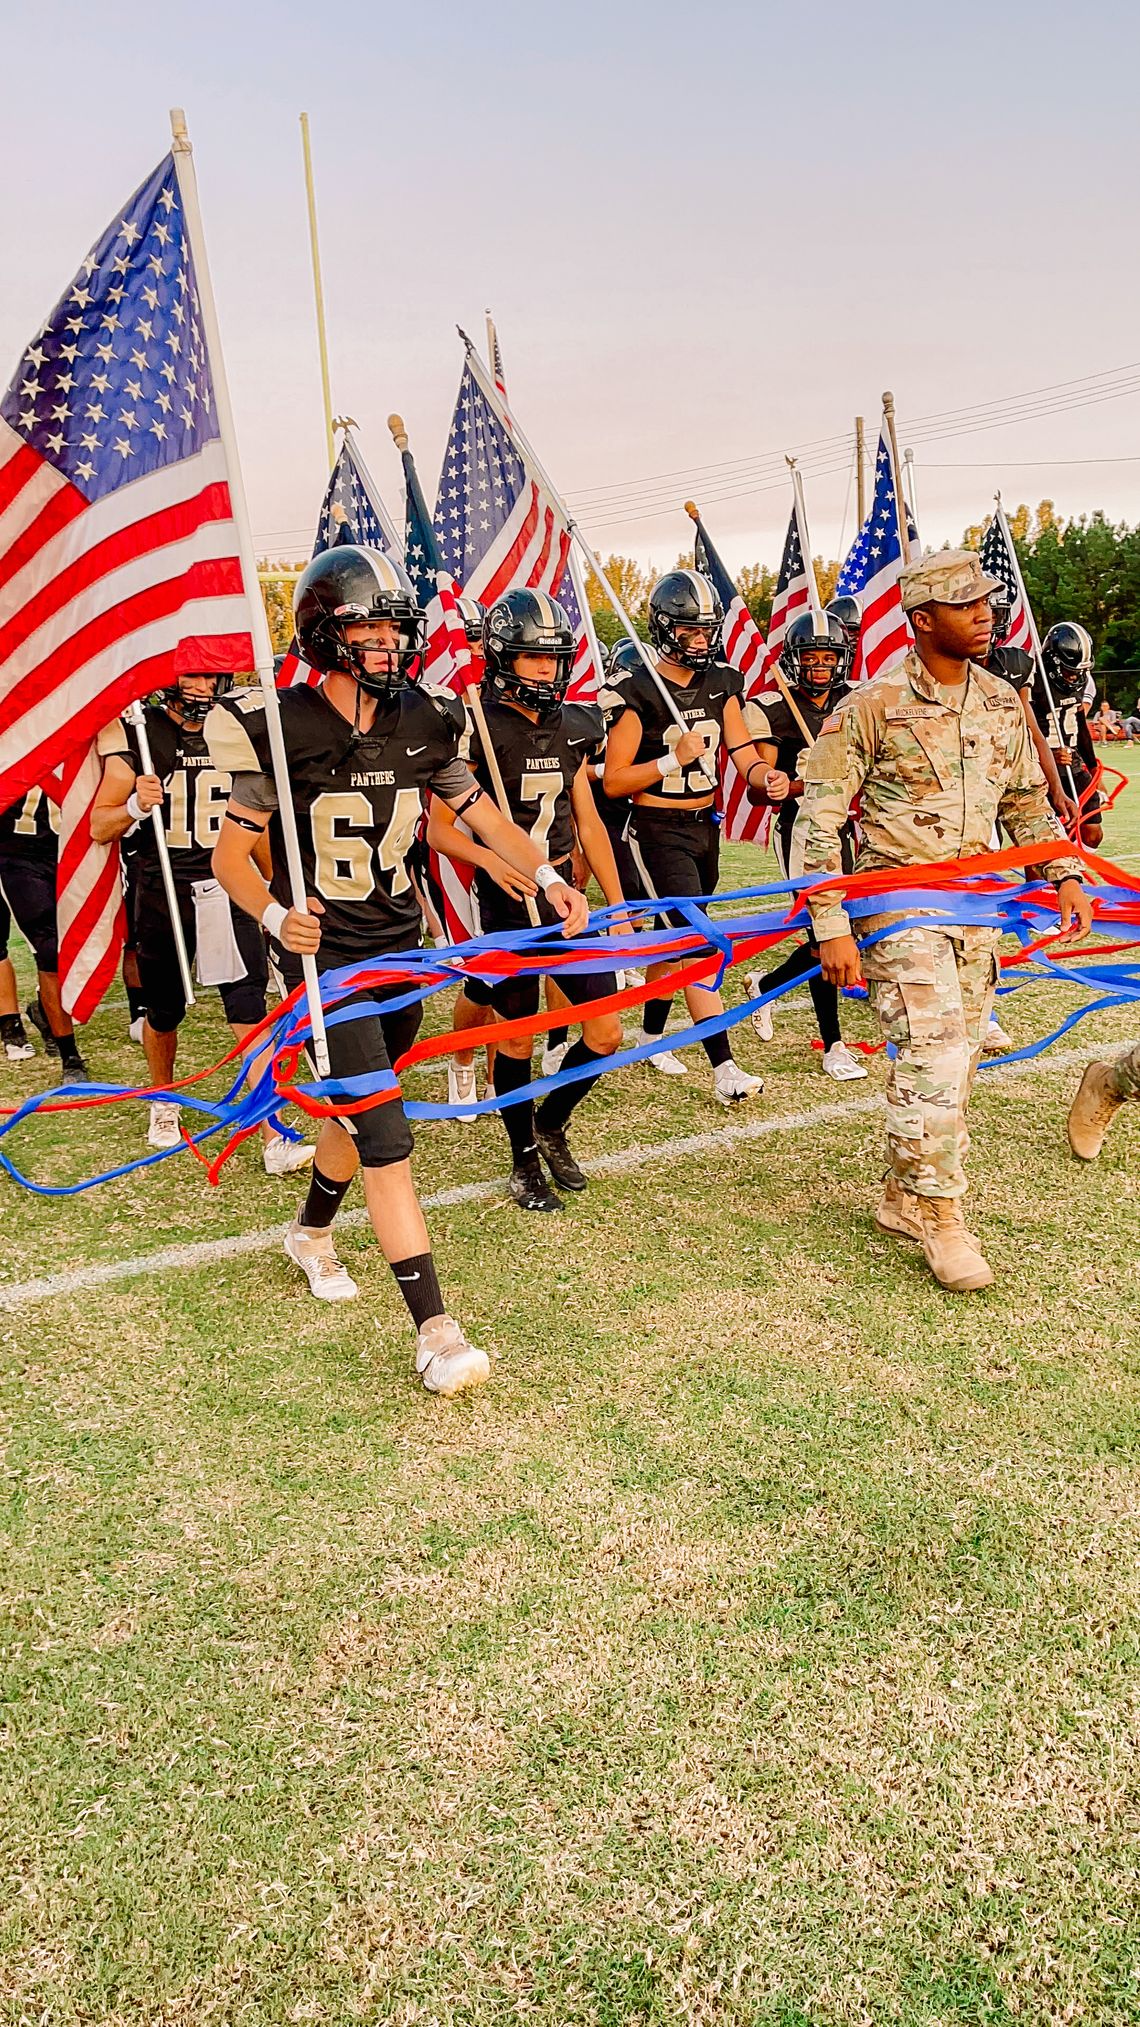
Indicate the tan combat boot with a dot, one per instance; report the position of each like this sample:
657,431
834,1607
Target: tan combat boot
899,1212
952,1253
1092,1111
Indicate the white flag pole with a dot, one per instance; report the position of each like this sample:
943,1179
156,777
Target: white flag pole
805,541
909,549
259,625
394,538
1035,638
494,402
137,717
911,489
318,290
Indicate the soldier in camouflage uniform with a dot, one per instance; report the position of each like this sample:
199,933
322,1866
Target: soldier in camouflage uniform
1103,1089
936,750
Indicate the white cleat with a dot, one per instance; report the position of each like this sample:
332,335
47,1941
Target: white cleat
165,1128
552,1058
446,1361
314,1252
488,1089
663,1058
633,976
19,1049
995,1040
733,1085
838,1062
463,1090
760,1019
286,1157
135,1029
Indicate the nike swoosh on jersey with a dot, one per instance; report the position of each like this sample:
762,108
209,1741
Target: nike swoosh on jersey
413,750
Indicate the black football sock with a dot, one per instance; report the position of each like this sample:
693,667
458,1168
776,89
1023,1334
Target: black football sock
794,965
68,1049
555,1038
655,1014
136,1002
555,1109
825,1000
718,1049
323,1201
419,1285
12,1028
511,1073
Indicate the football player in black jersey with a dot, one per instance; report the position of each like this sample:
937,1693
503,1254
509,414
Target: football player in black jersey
816,660
28,858
1015,666
542,746
670,775
363,748
1068,662
191,794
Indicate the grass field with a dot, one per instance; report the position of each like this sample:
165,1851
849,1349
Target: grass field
760,1647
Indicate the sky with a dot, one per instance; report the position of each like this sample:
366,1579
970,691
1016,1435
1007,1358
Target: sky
710,236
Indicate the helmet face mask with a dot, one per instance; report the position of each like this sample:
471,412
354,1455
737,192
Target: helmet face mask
1068,659
1001,605
194,710
521,627
824,640
683,609
350,587
845,608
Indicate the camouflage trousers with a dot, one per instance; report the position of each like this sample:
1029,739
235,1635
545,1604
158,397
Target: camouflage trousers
933,991
1126,1073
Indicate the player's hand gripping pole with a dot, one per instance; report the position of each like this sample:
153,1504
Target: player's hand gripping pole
137,717
494,401
259,625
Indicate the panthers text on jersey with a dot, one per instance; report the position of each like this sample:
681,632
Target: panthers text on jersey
701,705
357,797
538,764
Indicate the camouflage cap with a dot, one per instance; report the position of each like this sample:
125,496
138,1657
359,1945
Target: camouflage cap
946,577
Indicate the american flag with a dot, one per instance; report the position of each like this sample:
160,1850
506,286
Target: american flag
745,649
495,524
351,511
871,573
997,558
119,562
448,661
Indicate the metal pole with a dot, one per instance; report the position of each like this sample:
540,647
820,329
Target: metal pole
805,543
1035,637
494,401
394,538
911,488
909,551
137,716
318,291
860,474
259,625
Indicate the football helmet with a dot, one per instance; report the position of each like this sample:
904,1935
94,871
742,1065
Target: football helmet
522,623
1067,654
826,632
472,614
348,586
847,610
195,710
1001,605
681,601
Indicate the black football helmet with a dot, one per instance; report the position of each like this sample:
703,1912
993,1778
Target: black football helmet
823,632
526,622
622,661
348,586
685,599
1067,654
1001,605
194,710
847,610
472,614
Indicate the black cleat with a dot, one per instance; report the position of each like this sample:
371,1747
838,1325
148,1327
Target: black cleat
552,1146
39,1020
73,1070
530,1189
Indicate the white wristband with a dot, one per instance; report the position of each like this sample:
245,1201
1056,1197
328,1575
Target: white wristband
547,877
135,809
668,764
273,919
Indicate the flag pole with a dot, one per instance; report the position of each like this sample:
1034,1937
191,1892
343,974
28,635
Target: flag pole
694,514
1035,638
371,493
494,401
137,717
805,542
860,474
259,625
912,489
908,552
318,291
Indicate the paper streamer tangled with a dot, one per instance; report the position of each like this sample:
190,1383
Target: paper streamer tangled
978,892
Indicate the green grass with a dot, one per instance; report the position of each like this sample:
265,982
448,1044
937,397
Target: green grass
760,1647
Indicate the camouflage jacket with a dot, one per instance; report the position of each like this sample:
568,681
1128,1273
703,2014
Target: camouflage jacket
931,780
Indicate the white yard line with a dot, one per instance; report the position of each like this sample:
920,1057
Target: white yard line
205,1252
